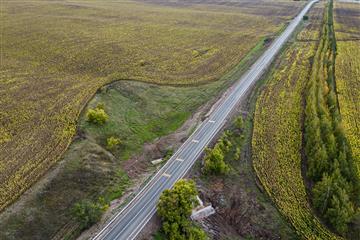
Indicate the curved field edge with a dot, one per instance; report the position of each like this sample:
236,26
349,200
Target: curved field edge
277,140
138,113
53,70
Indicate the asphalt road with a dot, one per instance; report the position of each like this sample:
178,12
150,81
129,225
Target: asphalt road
129,222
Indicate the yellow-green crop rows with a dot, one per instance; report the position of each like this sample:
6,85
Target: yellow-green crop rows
277,135
56,54
347,71
277,140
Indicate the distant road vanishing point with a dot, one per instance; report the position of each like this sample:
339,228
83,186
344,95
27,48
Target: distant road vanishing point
134,216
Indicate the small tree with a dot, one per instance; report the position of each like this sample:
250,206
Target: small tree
112,142
340,211
175,207
238,122
214,162
87,213
97,115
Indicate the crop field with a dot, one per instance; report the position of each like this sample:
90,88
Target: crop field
311,31
347,18
277,138
56,54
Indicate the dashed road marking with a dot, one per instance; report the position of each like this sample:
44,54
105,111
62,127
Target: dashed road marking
166,175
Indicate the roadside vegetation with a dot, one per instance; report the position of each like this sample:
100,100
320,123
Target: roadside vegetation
330,164
57,54
214,160
242,209
174,208
277,135
105,160
102,163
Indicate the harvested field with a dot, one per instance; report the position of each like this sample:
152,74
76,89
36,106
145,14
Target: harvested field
347,18
347,21
277,140
56,54
312,28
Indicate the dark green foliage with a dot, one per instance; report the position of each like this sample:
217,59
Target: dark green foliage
175,207
87,212
340,211
238,122
168,154
330,164
214,160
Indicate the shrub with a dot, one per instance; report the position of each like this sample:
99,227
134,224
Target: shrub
97,115
175,207
168,154
87,212
238,122
112,142
214,162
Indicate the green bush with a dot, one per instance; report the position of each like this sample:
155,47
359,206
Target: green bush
168,154
87,212
214,162
238,122
112,142
97,115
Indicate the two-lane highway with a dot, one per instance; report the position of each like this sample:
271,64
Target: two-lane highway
128,223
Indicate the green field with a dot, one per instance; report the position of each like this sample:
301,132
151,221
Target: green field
56,54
